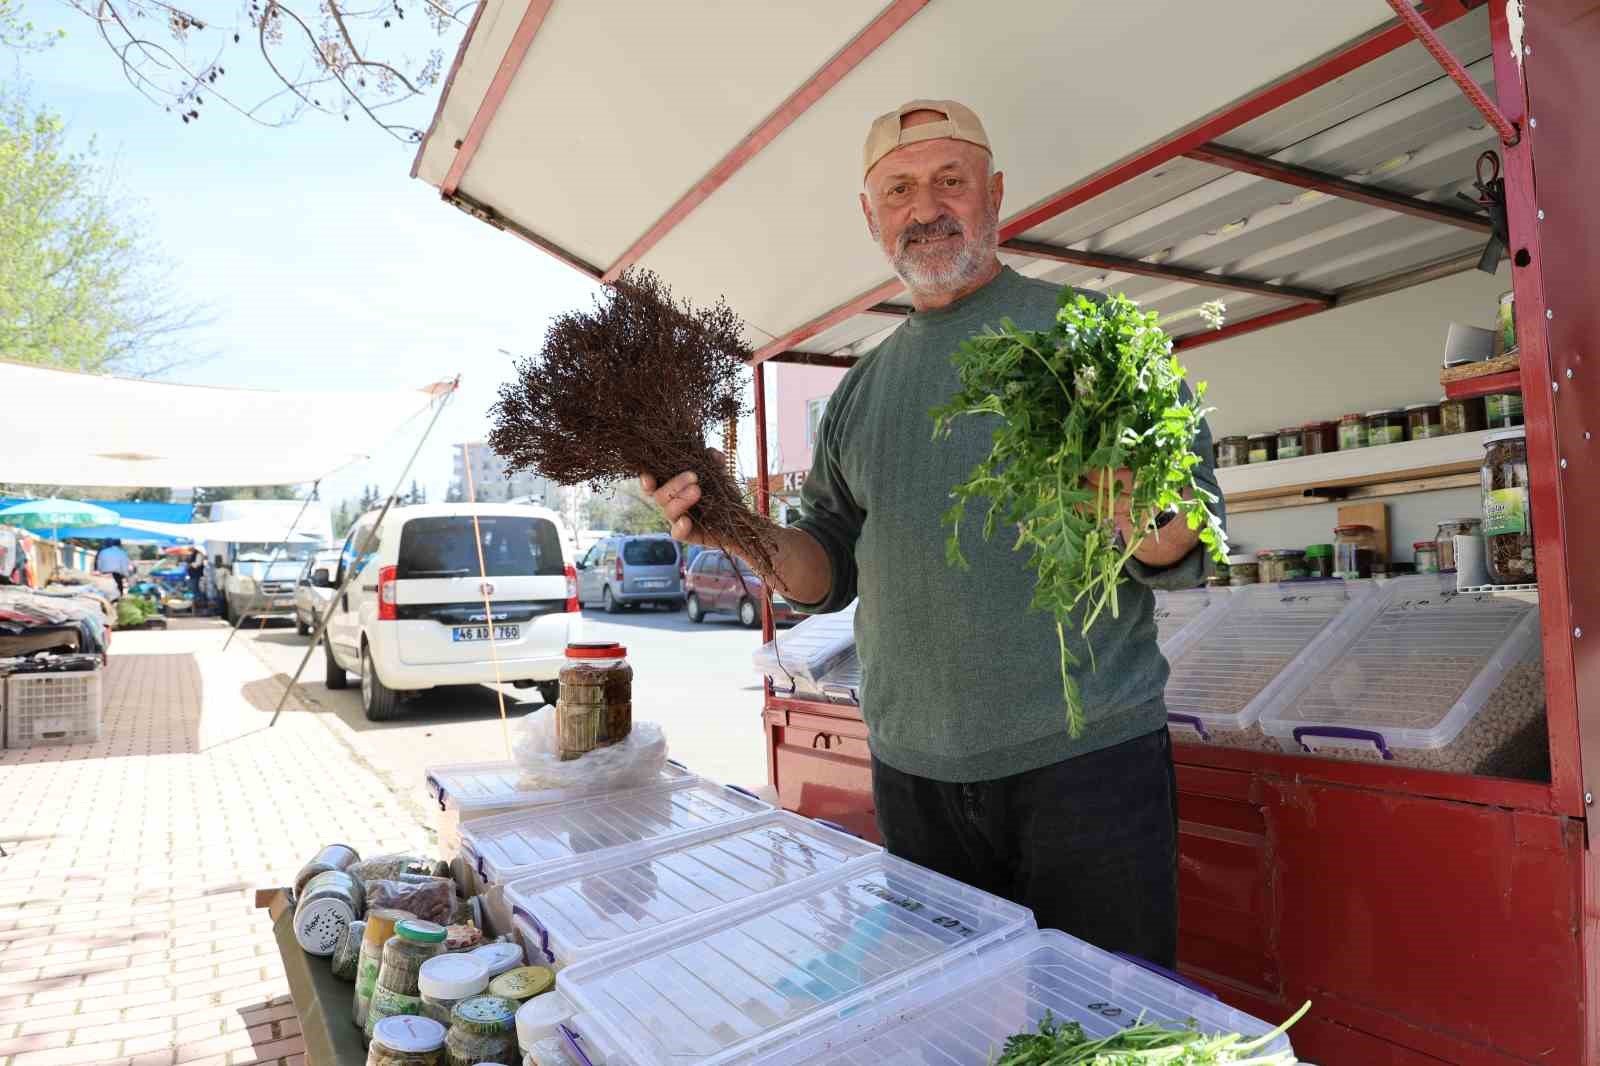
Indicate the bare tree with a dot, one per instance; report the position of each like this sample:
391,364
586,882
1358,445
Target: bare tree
335,57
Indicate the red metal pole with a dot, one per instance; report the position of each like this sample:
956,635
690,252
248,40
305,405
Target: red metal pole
1509,134
763,498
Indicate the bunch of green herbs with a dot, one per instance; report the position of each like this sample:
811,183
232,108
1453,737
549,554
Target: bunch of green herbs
1098,393
1066,1044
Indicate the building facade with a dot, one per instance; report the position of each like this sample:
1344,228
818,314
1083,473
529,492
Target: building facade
489,483
798,396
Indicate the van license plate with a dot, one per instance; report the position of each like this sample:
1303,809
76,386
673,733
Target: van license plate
468,633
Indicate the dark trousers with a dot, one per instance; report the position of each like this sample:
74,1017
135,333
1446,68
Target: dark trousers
122,582
1089,844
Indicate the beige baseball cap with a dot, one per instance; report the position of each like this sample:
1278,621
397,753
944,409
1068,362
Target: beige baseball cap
888,132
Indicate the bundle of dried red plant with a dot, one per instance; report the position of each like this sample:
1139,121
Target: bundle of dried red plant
634,386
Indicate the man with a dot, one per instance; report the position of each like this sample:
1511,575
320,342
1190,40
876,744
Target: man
113,560
196,571
974,772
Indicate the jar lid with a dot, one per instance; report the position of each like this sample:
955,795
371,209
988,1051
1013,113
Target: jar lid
420,931
1234,437
1318,551
523,983
1518,433
1425,545
1263,436
1290,429
1351,415
538,1018
408,1032
1241,560
1421,406
499,956
1318,425
603,650
484,1015
1385,412
452,977
1280,553
1352,528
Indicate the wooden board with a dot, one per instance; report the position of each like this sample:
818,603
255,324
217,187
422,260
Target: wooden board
1500,364
1359,492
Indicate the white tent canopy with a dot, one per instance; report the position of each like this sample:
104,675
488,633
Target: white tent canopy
242,531
66,428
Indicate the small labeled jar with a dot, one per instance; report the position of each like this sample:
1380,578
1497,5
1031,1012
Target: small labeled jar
414,943
1355,551
1352,432
446,980
1463,416
329,902
1386,427
1320,437
1507,320
1243,570
523,983
1319,560
1503,410
338,857
1291,442
1423,420
1263,447
595,708
1507,519
407,1040
1281,564
380,927
482,1029
1425,554
1233,451
1449,529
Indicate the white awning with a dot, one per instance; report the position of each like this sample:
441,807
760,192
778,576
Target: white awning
243,531
60,427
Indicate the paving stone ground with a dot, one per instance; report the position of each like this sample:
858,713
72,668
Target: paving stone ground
128,928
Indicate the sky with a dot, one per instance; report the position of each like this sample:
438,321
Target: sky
320,263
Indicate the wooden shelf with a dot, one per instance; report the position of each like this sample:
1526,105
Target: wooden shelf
1489,384
1363,473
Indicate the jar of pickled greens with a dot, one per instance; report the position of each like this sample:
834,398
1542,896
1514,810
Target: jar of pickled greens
1233,451
1320,437
1507,519
1319,560
1352,432
398,992
1263,447
1503,410
482,1029
1281,564
446,980
1291,442
406,1040
1425,553
1423,421
1386,427
1462,416
1243,570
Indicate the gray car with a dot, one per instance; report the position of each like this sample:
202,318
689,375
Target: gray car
625,571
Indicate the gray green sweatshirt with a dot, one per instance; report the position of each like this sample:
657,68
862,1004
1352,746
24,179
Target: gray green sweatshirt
961,677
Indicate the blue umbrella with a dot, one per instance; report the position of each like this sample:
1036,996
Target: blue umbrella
54,514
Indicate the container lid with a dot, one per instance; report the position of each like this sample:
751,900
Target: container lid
1263,436
1280,553
1425,545
810,649
600,650
485,1015
319,924
1351,416
1318,551
1422,406
1354,527
1241,560
1518,433
1286,430
453,977
1319,425
420,931
498,957
538,1018
1234,438
408,1032
524,982
1386,411
479,788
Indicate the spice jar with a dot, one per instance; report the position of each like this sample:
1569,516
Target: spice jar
406,1040
1508,322
1263,447
1423,421
347,952
446,980
1243,570
1426,556
523,983
1462,416
1355,551
1291,442
1507,522
1352,432
1319,560
1321,437
1386,427
333,857
596,704
1281,564
1503,410
331,901
380,927
482,1029
414,943
1446,539
1233,451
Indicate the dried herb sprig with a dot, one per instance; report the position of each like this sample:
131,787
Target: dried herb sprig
634,386
1066,1044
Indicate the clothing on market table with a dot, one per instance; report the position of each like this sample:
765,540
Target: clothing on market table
23,610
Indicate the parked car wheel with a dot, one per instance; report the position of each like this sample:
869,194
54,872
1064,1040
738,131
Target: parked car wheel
609,602
696,613
380,702
549,691
337,678
301,626
749,616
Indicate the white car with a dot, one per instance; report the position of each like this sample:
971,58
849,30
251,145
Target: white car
414,616
314,590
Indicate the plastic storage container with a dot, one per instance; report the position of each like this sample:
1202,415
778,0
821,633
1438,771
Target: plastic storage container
601,904
500,850
57,708
810,649
1226,672
842,684
1507,518
1176,611
1404,678
963,1017
740,984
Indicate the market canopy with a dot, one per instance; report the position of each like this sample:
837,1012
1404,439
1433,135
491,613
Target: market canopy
65,428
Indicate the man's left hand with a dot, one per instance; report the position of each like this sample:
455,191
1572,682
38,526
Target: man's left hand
1160,548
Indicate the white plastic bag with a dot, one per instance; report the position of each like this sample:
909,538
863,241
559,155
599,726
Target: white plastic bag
638,760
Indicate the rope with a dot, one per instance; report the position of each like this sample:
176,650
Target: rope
1509,134
488,612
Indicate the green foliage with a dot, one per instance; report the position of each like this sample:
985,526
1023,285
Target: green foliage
1097,393
136,610
18,33
623,510
1066,1044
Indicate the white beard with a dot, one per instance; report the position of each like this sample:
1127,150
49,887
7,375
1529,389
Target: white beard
953,271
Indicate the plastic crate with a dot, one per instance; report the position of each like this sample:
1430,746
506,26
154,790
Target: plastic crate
598,904
1228,665
1406,678
741,984
809,650
842,684
56,708
1176,611
962,1017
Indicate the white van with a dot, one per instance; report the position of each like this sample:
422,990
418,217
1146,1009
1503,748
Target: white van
414,616
257,577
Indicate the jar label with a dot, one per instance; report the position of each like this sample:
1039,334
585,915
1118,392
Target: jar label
1352,437
1258,455
1290,451
1387,434
1505,511
367,975
1435,429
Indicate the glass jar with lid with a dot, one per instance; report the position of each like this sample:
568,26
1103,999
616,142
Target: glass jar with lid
1352,432
1319,560
1263,447
1423,421
1449,530
1281,564
482,1029
1503,410
1321,437
407,1040
1233,451
446,980
1355,550
414,943
595,708
1386,427
1462,416
1243,570
1425,554
1507,518
1291,442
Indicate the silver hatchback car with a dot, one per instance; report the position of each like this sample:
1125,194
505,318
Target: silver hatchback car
625,571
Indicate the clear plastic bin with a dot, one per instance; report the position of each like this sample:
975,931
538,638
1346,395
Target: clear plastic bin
1176,611
809,650
1229,664
842,684
741,984
598,904
1423,676
962,1017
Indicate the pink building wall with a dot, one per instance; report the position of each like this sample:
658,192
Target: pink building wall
791,388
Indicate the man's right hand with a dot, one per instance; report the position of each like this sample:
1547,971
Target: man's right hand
674,498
